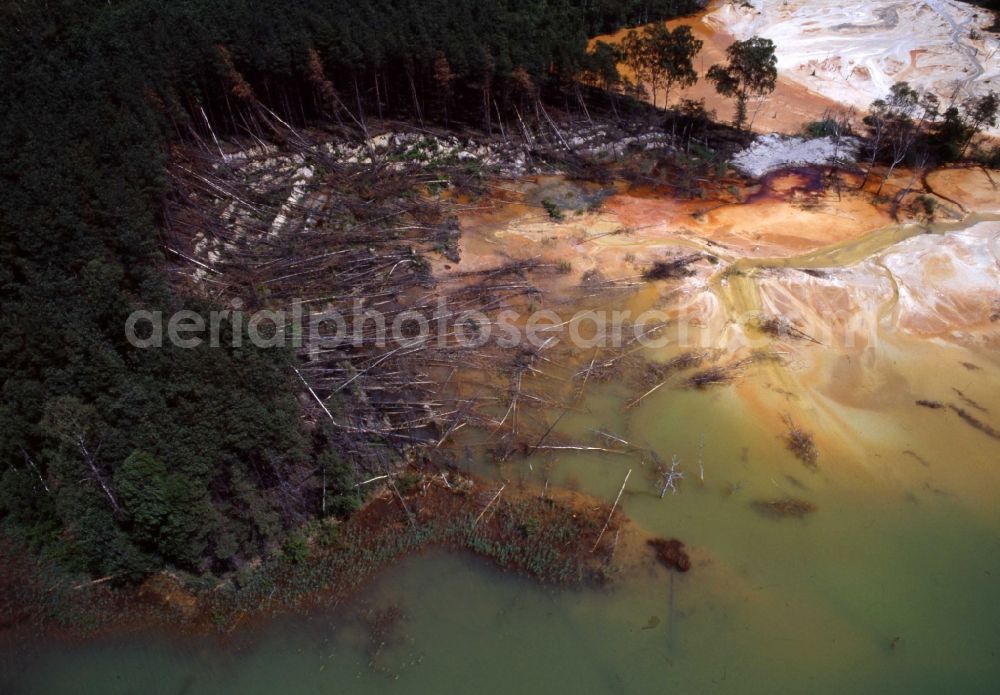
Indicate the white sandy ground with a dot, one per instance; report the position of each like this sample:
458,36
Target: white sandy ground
949,282
773,151
942,286
853,52
946,285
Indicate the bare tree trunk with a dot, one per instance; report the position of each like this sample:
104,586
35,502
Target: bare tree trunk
416,101
486,107
503,133
613,507
741,111
378,97
756,111
900,149
614,105
885,178
38,472
876,146
82,445
583,104
918,170
362,121
555,128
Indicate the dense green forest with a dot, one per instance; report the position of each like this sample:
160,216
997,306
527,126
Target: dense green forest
118,461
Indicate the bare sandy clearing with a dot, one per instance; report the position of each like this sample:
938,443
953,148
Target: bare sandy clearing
852,53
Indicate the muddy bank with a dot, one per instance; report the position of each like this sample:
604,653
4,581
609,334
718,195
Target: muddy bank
556,537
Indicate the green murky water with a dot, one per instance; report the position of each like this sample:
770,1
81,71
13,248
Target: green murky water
892,585
811,607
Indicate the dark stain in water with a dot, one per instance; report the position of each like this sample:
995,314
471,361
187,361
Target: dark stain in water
795,182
